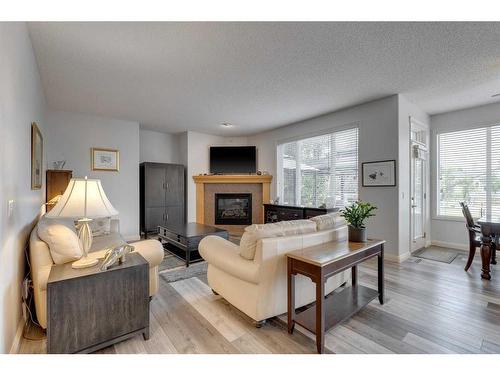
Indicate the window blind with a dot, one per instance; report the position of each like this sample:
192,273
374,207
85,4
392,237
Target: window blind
320,170
465,171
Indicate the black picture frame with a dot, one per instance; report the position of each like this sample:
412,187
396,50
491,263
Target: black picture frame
369,176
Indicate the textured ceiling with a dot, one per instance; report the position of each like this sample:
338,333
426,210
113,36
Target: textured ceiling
174,77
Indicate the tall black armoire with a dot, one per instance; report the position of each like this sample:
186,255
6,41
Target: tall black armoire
162,196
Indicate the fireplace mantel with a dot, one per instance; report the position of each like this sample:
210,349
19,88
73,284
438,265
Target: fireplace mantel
202,180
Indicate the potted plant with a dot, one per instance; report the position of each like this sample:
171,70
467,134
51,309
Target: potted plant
355,215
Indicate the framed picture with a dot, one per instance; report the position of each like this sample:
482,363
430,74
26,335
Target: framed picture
36,157
104,159
379,173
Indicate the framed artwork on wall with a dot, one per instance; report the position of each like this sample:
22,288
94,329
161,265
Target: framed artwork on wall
379,173
36,157
104,159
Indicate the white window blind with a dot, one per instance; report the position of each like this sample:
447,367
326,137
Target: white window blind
469,170
319,170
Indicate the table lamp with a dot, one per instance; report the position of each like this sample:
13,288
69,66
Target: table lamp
84,199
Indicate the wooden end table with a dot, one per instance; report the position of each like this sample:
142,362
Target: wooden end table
321,262
89,309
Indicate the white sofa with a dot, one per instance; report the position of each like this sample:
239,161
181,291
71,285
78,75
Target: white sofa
41,262
258,286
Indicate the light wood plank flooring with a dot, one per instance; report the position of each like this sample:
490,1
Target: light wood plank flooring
430,307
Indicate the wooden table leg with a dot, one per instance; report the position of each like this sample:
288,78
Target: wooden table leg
354,275
291,297
320,313
381,275
486,244
494,250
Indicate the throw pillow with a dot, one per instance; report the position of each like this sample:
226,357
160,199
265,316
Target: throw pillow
61,239
255,232
328,221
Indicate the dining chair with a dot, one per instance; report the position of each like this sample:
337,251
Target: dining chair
474,234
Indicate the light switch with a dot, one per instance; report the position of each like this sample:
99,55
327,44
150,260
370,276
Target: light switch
10,207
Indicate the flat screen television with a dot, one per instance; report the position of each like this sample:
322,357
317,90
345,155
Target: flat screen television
233,160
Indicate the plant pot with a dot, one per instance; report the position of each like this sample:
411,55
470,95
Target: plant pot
357,234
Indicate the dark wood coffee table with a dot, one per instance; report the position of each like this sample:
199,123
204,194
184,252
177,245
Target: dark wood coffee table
182,240
321,262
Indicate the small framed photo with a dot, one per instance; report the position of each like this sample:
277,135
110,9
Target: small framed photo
36,157
379,173
104,159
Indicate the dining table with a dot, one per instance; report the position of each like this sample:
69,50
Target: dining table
490,234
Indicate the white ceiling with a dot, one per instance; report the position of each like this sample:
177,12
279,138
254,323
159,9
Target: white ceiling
174,77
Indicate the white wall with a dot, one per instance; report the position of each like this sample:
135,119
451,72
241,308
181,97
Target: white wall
70,138
21,103
378,140
198,161
452,233
159,147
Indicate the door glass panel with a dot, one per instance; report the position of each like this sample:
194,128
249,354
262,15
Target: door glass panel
418,199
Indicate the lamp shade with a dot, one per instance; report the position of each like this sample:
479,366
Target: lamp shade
83,198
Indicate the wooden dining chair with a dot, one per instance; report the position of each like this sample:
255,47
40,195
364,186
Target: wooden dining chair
474,234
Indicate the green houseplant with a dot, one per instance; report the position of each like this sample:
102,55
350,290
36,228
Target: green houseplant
355,215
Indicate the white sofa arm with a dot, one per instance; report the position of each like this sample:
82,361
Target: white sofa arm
225,255
151,250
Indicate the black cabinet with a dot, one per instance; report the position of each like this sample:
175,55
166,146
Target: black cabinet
162,196
276,212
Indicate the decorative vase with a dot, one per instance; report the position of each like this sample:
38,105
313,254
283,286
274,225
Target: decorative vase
357,234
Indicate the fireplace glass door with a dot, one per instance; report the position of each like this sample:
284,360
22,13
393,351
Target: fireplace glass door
233,209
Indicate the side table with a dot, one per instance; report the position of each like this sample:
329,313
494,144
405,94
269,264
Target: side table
89,309
321,262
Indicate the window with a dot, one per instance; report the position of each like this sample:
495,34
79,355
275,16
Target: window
469,170
319,170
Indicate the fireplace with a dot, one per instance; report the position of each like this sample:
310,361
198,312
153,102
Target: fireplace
233,209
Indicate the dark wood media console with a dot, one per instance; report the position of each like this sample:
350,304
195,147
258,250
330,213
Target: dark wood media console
276,212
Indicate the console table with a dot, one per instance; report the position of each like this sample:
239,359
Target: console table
321,262
279,212
89,309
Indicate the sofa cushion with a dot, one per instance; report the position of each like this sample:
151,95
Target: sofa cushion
328,221
256,232
60,236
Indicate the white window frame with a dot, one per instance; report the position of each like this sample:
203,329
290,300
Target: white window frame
279,165
436,166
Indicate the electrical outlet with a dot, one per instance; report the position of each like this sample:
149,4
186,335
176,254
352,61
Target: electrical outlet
10,207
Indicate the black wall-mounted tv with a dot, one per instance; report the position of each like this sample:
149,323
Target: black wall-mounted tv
233,160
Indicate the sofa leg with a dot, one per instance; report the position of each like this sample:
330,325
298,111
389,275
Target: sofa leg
259,323
150,298
343,284
214,292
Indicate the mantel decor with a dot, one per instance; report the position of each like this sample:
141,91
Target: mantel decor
379,173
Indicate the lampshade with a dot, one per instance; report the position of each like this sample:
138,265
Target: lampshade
83,198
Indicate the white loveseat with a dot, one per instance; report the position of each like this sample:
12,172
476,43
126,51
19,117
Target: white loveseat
41,262
258,286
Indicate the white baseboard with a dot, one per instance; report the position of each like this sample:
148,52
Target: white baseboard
14,349
397,258
451,245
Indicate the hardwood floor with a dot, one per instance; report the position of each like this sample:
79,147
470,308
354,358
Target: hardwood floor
431,307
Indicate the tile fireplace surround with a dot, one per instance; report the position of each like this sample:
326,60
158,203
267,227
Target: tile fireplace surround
207,186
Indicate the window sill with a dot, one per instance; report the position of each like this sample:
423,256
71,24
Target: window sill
457,219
